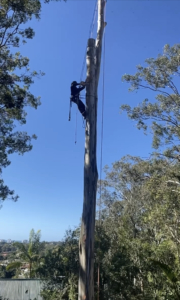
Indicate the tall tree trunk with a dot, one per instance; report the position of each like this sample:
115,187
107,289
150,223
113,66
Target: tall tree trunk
86,243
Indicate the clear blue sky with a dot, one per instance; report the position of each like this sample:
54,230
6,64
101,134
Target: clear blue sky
49,179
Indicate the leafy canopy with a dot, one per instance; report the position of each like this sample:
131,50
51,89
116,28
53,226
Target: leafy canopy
161,75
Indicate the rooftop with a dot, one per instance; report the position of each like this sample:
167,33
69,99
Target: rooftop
20,289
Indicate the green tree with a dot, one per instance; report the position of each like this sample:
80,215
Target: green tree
6,274
158,233
161,76
16,79
140,216
31,253
60,268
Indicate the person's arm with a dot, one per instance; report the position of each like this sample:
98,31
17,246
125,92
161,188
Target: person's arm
80,89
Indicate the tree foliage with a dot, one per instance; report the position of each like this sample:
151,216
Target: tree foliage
161,75
60,269
31,253
140,219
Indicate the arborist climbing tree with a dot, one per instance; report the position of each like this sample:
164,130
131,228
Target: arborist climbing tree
86,242
75,96
89,112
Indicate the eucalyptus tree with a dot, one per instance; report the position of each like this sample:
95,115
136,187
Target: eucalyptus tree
140,217
162,114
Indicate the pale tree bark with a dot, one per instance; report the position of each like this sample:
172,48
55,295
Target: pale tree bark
86,243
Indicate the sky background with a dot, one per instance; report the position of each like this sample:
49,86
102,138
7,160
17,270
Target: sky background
49,179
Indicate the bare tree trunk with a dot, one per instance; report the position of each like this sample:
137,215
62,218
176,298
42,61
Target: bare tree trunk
86,243
99,39
86,247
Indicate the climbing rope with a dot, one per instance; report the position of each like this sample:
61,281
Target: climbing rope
101,149
94,19
102,122
84,59
90,35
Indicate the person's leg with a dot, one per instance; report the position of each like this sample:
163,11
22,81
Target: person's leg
74,99
81,108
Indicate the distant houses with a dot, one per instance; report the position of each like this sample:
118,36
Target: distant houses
9,241
4,254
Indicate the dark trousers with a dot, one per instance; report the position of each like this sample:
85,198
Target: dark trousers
80,104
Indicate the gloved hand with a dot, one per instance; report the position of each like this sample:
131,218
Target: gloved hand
82,83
